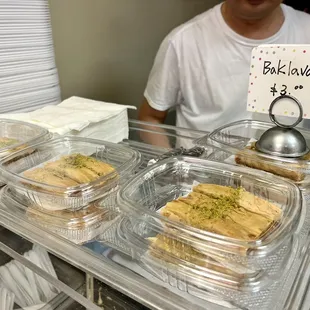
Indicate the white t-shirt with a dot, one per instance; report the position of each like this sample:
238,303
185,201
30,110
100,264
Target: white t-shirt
202,69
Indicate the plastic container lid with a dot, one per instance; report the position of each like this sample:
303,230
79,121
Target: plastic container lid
45,196
20,135
238,140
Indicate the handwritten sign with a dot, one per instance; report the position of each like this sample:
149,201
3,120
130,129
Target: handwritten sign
280,70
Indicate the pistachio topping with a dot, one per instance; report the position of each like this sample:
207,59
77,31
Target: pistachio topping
77,160
218,208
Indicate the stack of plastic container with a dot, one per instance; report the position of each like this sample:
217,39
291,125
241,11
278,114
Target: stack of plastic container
234,269
78,213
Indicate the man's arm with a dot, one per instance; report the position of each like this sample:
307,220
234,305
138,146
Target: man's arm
150,115
162,92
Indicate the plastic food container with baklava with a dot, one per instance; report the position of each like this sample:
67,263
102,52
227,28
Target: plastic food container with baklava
149,192
81,171
77,226
235,144
180,265
17,135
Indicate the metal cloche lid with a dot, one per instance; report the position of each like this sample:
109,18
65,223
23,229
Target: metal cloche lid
283,140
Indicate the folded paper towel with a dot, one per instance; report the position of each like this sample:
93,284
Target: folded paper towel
81,117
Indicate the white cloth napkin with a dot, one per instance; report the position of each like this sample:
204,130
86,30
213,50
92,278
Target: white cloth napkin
76,114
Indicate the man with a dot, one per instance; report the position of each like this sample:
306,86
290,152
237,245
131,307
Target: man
202,67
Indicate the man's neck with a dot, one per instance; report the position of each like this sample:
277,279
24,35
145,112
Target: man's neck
258,29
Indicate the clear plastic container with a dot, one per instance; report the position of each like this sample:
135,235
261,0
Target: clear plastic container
77,226
44,196
21,135
163,137
179,264
238,139
153,188
17,135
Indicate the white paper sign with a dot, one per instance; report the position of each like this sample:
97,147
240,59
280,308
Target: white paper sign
280,70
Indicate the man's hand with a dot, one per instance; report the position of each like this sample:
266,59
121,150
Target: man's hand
150,115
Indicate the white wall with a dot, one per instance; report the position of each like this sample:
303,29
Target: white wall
105,48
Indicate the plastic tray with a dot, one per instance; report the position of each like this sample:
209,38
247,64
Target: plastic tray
234,139
151,189
77,226
26,135
45,196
